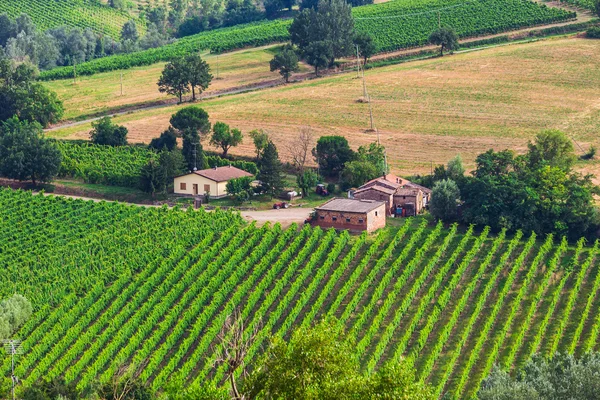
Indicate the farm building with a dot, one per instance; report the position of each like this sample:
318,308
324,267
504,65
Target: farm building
401,196
354,215
213,181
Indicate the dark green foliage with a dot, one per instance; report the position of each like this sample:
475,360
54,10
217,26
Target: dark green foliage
106,133
191,118
366,46
597,7
215,161
307,181
129,32
325,34
174,79
552,148
320,363
357,172
304,4
240,188
153,178
271,171
166,140
357,3
561,378
198,73
332,153
225,137
260,139
375,155
125,389
192,151
593,32
25,154
444,200
590,155
54,389
446,38
21,96
286,62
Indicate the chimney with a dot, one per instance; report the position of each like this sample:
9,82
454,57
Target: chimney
229,165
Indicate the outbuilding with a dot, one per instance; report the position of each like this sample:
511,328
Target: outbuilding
352,214
212,181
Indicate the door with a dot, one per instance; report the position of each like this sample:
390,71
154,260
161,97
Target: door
195,187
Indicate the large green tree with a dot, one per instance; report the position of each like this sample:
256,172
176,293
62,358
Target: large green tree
21,96
444,37
14,312
106,133
366,46
306,180
444,200
271,170
191,118
286,62
174,79
225,137
562,377
321,363
332,153
199,76
25,154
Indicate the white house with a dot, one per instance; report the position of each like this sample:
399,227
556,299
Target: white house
213,181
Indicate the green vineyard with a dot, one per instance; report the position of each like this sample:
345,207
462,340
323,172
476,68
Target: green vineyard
73,13
393,25
117,285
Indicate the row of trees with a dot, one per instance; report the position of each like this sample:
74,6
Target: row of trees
538,191
21,40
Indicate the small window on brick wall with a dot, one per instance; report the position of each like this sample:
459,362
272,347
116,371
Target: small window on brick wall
360,221
321,216
347,219
182,186
334,218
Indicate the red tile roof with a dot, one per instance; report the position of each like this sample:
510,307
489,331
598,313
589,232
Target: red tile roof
222,174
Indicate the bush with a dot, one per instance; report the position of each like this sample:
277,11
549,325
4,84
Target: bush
593,32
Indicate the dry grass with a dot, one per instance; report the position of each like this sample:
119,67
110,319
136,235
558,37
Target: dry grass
425,111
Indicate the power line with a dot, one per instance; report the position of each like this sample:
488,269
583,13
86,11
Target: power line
13,347
437,10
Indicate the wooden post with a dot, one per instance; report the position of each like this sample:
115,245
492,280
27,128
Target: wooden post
121,84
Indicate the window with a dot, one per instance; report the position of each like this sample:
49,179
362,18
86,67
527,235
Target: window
321,217
334,218
182,186
380,197
404,197
376,213
361,221
206,188
347,219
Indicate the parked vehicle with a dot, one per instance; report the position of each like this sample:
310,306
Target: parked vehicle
283,204
322,190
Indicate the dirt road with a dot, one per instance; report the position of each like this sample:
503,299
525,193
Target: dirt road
285,217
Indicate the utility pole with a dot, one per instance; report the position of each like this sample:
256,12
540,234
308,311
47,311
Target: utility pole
217,65
195,161
74,70
121,84
13,346
439,20
357,63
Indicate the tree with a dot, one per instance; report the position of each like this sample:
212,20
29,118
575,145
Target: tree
306,180
173,163
374,154
153,178
14,312
366,46
320,362
445,196
356,173
199,75
167,140
561,377
53,389
299,148
286,62
129,32
446,38
271,169
332,153
224,137
240,189
325,33
597,7
554,148
309,4
174,79
8,29
21,96
318,54
261,140
25,154
192,151
191,118
455,169
106,133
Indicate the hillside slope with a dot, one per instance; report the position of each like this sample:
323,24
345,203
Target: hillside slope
74,13
114,284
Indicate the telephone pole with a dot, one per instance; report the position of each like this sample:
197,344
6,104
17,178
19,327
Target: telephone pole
13,347
195,161
121,84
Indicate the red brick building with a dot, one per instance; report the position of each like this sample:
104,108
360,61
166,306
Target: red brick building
398,193
354,215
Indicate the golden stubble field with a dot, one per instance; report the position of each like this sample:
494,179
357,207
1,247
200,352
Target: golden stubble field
426,111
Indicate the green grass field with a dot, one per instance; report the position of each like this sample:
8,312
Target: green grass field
114,284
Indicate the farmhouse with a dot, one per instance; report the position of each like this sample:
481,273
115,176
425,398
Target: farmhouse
212,181
354,215
401,196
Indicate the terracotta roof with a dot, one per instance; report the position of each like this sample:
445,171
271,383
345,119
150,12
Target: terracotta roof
407,192
379,188
423,188
350,205
221,174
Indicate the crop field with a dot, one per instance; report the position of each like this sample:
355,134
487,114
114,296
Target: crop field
120,285
426,111
102,92
393,25
74,13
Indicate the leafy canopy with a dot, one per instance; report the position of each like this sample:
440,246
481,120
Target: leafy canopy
106,133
